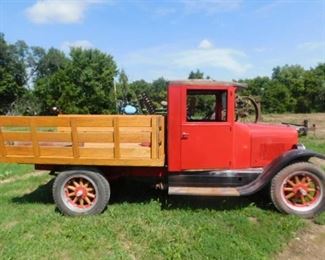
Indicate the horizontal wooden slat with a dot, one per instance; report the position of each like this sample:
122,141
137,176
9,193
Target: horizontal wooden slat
97,145
93,137
17,136
142,152
50,121
19,150
55,152
83,161
96,152
54,136
135,121
135,137
91,121
14,121
140,129
95,129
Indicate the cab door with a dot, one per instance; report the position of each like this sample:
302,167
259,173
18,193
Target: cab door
206,129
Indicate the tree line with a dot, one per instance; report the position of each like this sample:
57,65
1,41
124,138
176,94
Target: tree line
34,80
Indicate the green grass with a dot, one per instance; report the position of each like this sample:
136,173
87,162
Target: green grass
139,225
313,143
8,170
320,219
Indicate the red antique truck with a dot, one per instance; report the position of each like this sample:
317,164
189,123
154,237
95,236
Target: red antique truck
208,152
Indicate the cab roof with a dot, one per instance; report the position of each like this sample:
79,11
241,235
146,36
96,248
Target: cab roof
205,82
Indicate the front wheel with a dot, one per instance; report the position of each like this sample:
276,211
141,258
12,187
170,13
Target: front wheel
299,189
81,192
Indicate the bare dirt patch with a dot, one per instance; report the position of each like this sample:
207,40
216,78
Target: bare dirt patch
308,244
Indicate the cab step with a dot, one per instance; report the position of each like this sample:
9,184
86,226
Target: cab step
203,191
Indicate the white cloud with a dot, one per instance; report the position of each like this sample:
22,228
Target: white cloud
214,58
312,46
168,60
84,44
211,6
205,44
58,11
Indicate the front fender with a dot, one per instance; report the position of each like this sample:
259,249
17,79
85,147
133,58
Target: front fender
289,157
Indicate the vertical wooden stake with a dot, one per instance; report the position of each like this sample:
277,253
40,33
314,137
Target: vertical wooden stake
2,144
117,152
154,137
33,131
74,137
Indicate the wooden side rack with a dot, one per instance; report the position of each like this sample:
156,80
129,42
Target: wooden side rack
106,140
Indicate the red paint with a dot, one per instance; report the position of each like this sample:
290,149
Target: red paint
219,145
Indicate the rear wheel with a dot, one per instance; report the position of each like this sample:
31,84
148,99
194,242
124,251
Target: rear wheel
81,192
299,189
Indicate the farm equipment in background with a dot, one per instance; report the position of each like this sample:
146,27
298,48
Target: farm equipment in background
247,109
302,129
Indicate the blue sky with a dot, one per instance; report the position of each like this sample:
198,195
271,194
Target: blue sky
225,39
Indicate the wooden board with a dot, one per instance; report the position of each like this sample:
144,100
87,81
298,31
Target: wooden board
83,140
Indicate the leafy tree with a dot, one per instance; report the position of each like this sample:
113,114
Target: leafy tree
196,75
13,77
123,86
84,84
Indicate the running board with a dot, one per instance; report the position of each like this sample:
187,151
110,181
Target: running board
203,191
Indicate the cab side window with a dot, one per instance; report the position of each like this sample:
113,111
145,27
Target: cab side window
206,106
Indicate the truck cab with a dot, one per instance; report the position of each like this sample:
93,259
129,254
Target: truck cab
203,133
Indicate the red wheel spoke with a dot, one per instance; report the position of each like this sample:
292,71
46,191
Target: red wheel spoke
71,187
297,179
75,184
291,183
90,195
311,189
88,201
302,197
310,197
288,189
71,194
290,195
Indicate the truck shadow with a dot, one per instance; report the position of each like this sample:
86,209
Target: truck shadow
123,191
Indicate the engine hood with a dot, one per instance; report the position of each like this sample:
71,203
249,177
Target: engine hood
269,141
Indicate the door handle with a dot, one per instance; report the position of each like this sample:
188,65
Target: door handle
185,135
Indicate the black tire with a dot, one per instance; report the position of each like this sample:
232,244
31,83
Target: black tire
90,182
299,189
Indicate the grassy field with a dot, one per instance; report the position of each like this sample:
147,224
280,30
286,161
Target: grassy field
141,223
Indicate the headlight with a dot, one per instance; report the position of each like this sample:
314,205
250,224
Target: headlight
300,147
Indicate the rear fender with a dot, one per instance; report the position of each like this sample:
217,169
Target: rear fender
289,157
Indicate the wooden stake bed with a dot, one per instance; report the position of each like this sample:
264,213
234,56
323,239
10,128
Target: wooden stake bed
104,140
